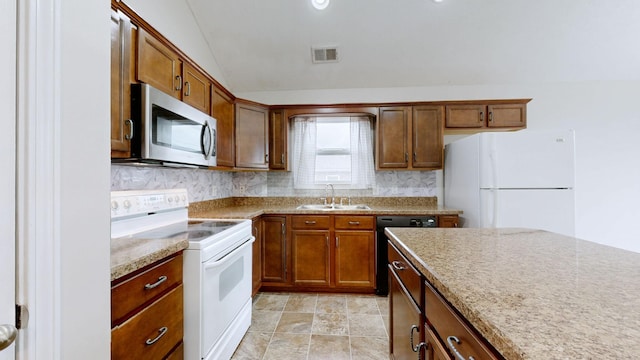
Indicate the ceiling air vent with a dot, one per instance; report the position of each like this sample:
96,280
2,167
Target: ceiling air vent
324,54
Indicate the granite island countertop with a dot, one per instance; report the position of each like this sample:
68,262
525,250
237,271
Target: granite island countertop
534,294
247,208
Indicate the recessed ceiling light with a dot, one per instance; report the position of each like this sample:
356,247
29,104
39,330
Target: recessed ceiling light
437,0
320,4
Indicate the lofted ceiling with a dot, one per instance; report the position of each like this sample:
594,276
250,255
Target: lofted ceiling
266,45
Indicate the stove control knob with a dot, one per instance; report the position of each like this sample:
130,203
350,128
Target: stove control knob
127,204
114,205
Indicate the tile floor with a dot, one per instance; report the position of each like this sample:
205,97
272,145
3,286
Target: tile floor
294,326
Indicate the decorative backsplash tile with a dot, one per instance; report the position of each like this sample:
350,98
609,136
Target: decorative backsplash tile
208,185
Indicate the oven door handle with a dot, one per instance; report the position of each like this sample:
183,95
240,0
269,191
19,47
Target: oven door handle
225,259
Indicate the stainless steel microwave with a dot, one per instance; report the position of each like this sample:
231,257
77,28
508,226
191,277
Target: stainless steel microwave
170,132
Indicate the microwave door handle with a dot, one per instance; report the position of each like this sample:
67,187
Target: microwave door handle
214,142
209,130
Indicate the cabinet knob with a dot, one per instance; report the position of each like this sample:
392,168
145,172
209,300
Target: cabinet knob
163,330
129,136
179,81
481,119
450,341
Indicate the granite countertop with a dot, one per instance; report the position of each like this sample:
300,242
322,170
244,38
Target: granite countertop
247,208
129,254
534,294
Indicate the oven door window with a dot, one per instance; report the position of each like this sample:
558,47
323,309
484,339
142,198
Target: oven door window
226,289
176,132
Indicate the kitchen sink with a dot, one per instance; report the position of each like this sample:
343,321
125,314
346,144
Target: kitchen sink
329,207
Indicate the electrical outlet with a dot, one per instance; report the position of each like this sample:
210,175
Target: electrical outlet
242,189
214,191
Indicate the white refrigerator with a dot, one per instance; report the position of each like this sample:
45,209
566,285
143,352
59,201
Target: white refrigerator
513,179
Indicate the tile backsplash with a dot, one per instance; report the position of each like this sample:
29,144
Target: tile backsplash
208,185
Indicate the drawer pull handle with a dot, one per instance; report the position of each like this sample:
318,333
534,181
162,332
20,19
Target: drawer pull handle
310,222
417,347
161,279
451,340
354,222
398,265
163,330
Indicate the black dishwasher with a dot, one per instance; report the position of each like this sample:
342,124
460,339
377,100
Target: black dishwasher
382,222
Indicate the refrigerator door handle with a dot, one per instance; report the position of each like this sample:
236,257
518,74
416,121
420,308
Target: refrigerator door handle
490,211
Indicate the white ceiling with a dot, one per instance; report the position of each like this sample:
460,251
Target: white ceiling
266,45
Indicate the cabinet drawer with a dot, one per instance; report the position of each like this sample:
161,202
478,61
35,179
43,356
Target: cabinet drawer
409,276
131,294
311,222
447,323
161,321
345,222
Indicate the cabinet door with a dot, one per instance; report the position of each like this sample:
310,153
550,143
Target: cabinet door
427,137
466,116
223,110
257,255
393,131
252,138
278,129
435,349
311,258
196,89
158,66
405,322
507,115
355,259
121,125
274,249
448,221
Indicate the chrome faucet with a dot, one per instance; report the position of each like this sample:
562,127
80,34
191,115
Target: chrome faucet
333,194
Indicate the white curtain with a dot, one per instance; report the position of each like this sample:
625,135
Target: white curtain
304,152
362,167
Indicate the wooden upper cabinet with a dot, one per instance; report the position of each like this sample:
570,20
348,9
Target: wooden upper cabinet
487,116
393,131
427,127
465,116
223,110
196,88
121,124
158,65
278,131
252,137
410,137
507,115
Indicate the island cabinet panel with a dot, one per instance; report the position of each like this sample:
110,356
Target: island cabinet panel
452,330
274,250
410,277
223,110
434,348
406,334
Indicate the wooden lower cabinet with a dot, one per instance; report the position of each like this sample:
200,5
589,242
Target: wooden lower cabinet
434,348
256,279
311,258
448,221
355,252
147,312
406,334
274,250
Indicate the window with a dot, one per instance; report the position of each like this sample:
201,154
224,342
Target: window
333,150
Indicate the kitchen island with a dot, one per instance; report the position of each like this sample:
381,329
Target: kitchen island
533,294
